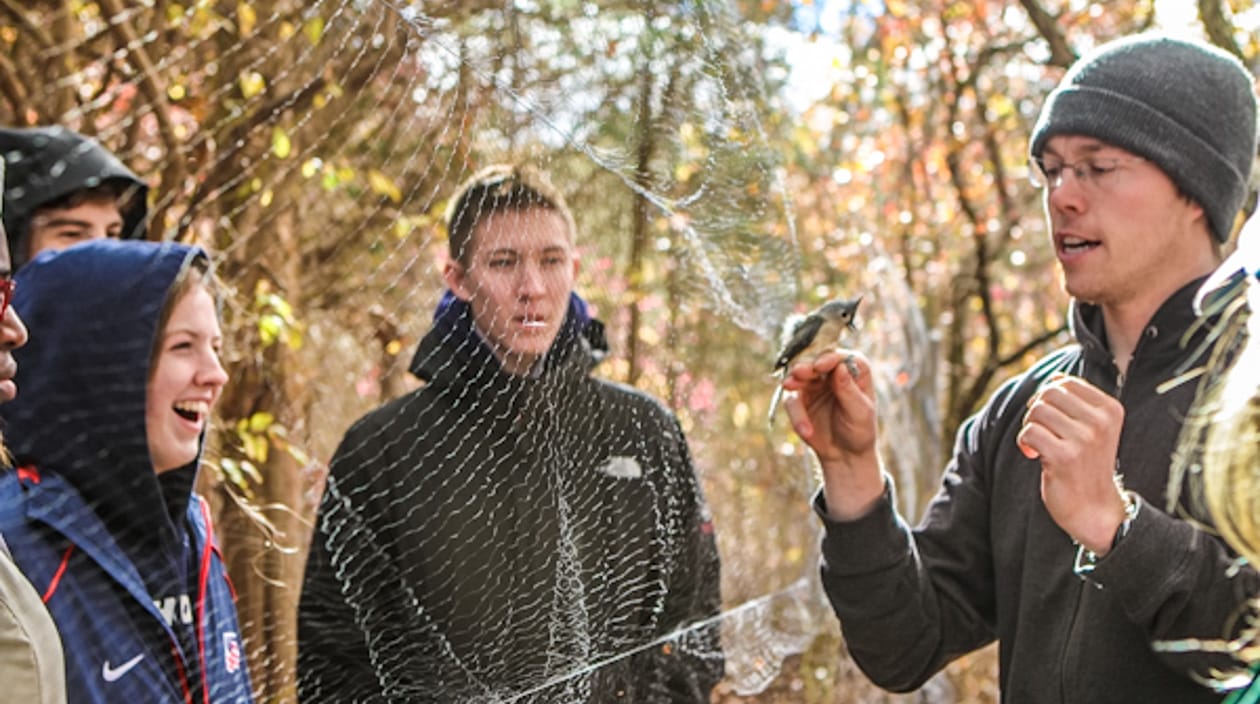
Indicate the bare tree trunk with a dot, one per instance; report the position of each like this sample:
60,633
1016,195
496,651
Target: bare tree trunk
1218,27
266,569
641,223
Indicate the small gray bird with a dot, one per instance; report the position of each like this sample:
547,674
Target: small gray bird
807,336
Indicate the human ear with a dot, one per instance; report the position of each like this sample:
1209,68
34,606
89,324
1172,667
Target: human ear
455,276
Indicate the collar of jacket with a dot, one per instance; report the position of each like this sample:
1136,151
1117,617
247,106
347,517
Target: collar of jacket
1173,331
453,350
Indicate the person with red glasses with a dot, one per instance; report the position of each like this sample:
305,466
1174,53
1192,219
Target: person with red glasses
32,666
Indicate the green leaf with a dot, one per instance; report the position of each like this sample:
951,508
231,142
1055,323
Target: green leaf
297,454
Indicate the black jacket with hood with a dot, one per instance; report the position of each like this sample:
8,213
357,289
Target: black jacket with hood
491,536
44,165
987,561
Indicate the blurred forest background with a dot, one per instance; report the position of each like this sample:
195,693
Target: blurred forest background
728,163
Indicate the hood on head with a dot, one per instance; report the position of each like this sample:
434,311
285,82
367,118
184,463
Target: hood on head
45,164
92,311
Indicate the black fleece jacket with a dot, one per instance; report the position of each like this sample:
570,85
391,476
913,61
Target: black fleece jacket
987,562
44,165
489,536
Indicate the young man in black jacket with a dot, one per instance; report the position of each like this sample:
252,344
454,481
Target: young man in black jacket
62,188
1049,532
514,529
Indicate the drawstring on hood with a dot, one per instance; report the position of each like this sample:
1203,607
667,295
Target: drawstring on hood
46,164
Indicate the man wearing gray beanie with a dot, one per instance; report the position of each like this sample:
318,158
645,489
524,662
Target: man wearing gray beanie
1050,532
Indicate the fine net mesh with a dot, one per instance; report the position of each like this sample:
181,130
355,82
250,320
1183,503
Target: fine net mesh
621,525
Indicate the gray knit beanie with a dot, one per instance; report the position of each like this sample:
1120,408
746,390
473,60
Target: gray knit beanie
1188,107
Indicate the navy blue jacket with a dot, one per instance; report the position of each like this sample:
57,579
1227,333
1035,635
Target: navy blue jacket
125,559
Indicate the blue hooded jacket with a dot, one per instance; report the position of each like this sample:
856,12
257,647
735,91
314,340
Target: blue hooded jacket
125,558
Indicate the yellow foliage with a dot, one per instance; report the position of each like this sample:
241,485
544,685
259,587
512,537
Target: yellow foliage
246,19
314,30
260,421
252,84
281,145
384,185
1001,106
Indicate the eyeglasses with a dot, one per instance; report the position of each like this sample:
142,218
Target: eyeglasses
1094,172
7,286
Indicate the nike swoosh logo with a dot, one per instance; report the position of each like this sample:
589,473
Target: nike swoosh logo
111,674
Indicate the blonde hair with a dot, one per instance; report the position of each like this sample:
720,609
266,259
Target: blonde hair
1218,454
1230,412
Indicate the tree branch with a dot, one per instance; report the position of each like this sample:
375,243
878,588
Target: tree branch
12,88
151,85
14,10
1029,346
267,115
1219,29
1047,25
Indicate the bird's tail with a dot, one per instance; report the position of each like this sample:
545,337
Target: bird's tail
774,403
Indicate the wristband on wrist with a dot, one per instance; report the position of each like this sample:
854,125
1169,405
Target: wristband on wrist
1086,559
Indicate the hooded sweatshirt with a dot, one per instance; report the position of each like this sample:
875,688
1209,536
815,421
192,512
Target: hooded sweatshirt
46,164
124,557
491,536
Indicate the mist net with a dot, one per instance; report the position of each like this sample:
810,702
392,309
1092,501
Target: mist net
618,522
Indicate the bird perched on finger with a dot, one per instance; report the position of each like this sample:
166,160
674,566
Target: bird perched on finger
807,336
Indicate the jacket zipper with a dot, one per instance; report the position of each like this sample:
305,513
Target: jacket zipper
1080,594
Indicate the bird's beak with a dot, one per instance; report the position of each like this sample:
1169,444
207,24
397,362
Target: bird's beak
853,317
